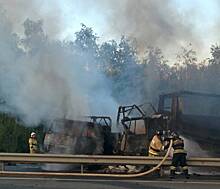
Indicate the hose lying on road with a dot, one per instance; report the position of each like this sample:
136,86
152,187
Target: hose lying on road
8,173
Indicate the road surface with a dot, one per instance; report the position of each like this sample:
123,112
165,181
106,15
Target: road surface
58,183
150,182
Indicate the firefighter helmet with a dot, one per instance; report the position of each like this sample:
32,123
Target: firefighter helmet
33,134
158,132
175,135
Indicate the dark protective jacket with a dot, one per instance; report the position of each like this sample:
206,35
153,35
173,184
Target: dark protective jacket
178,146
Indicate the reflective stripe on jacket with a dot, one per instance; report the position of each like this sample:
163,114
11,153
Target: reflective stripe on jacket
178,151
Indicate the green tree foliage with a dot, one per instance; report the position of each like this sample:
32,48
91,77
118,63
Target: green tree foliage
109,58
34,36
156,73
14,136
86,40
118,61
212,72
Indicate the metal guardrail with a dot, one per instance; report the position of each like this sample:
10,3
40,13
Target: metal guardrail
82,160
98,159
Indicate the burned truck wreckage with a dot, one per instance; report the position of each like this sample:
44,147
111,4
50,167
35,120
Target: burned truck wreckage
193,115
92,137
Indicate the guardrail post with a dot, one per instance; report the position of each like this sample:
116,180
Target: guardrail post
2,166
81,166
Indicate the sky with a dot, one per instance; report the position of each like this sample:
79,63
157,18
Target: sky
168,24
204,15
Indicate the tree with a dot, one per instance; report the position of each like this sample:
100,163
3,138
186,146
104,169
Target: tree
186,69
126,78
35,38
156,73
14,135
85,46
86,40
213,70
109,58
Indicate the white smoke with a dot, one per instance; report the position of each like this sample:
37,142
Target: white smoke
42,79
50,11
194,150
152,22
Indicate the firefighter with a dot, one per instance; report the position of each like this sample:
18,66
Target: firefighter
33,146
156,145
179,156
48,141
157,148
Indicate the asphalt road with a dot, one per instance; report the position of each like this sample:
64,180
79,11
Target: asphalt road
195,182
54,183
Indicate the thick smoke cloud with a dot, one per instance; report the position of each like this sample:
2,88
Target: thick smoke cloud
42,79
150,23
49,11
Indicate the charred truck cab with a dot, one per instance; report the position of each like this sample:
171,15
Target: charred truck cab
138,129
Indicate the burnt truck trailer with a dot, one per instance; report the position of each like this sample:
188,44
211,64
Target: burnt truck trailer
194,115
81,137
91,137
95,137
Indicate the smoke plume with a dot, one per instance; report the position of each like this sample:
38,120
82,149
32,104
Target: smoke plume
42,79
149,23
48,11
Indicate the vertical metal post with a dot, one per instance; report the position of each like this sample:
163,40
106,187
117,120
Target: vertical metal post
2,166
81,168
